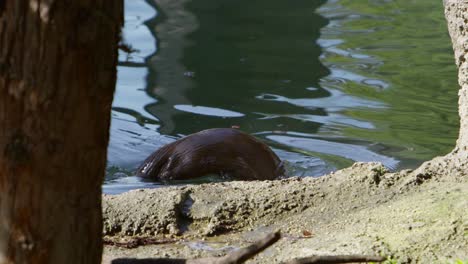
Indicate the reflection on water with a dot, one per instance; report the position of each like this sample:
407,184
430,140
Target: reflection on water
336,101
210,111
324,83
407,65
345,150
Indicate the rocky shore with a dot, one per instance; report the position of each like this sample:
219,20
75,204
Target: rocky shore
415,217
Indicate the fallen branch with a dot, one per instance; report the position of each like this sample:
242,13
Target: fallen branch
234,257
243,254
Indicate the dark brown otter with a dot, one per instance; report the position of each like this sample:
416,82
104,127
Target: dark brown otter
222,151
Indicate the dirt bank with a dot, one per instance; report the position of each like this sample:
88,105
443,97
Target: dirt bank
415,217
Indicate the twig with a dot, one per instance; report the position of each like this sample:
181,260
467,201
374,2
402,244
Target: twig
336,259
243,254
127,48
138,241
237,256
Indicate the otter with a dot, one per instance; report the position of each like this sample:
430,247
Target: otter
222,151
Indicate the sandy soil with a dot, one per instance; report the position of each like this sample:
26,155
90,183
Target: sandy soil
414,217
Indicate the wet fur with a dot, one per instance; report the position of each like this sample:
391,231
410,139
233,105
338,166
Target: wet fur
221,151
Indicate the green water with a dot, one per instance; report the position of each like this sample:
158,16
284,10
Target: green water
409,49
324,83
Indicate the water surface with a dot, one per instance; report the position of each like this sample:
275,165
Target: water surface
324,83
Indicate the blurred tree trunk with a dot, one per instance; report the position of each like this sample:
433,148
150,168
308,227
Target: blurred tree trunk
57,77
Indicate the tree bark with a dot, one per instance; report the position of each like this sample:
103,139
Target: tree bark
57,77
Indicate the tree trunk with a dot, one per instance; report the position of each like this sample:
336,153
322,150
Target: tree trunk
57,77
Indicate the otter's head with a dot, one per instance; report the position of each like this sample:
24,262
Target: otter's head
155,164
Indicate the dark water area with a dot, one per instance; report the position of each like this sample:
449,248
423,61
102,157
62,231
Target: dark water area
323,83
